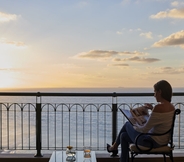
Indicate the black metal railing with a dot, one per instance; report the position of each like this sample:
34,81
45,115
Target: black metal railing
46,124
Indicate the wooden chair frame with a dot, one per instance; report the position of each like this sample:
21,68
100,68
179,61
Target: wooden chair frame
136,149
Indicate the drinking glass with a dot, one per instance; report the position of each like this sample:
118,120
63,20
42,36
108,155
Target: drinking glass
87,152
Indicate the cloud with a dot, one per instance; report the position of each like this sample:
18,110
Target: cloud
4,17
121,62
93,54
102,54
143,59
122,31
132,53
119,32
147,35
177,3
135,30
118,59
125,2
3,69
10,69
174,13
65,66
14,43
168,70
139,59
160,36
120,65
82,4
175,39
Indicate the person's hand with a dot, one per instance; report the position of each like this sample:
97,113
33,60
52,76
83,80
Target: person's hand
135,126
148,106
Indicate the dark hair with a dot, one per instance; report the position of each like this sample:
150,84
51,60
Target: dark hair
166,89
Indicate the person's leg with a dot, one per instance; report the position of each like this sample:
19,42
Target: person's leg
128,135
144,140
123,129
124,140
147,141
131,131
117,141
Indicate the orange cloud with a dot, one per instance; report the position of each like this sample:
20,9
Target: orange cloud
174,13
172,40
14,43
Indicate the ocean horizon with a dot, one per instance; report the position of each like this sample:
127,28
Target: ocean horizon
90,90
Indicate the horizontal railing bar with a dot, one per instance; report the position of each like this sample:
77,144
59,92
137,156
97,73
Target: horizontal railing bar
114,94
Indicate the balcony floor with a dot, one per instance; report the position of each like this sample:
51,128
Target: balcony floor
101,157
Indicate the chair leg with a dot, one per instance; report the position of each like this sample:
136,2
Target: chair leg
132,156
164,158
171,157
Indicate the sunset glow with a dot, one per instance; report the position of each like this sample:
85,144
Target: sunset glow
90,43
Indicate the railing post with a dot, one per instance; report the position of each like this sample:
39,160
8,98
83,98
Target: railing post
38,126
0,126
114,117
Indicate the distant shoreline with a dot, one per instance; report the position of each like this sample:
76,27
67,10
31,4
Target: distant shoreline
86,90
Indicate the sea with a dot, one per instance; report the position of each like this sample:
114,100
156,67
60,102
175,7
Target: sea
85,90
85,100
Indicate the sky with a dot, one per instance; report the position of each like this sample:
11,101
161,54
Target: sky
91,43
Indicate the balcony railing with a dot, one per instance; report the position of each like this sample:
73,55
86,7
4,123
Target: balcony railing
52,121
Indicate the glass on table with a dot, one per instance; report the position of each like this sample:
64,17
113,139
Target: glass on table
70,154
87,152
68,149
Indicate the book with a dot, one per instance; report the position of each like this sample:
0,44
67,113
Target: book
136,116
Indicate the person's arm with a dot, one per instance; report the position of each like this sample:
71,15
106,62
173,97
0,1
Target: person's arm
148,106
151,122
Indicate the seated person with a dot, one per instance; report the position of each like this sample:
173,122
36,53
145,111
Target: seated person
159,121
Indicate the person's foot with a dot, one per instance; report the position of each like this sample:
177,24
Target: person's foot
111,149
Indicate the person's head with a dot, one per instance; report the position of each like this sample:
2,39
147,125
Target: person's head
165,89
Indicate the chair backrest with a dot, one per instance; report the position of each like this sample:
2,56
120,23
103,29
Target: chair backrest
148,149
177,112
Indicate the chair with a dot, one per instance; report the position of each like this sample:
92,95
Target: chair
136,149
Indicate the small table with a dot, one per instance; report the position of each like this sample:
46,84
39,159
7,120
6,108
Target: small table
60,156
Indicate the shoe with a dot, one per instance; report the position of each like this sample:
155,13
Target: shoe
114,152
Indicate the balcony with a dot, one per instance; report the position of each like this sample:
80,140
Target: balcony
39,123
